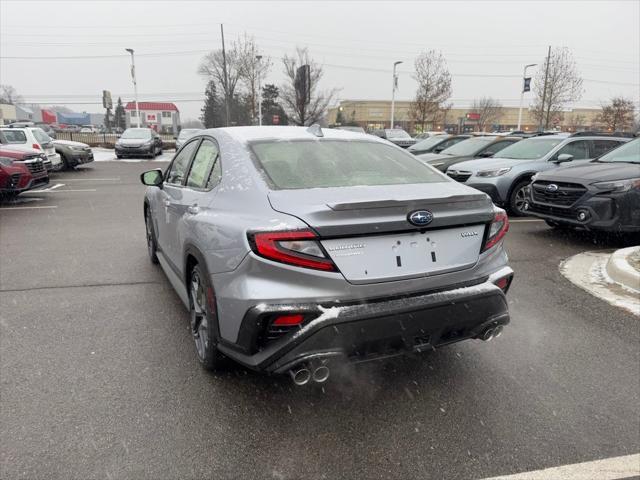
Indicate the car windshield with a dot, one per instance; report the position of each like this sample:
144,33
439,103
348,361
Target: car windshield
187,132
529,148
468,147
396,133
627,153
13,136
428,142
136,133
334,163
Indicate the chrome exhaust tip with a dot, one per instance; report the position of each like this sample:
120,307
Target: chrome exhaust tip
487,335
300,376
321,374
497,331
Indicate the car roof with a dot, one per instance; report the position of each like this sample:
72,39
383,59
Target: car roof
251,134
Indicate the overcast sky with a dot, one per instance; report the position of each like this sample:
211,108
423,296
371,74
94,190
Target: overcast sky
486,45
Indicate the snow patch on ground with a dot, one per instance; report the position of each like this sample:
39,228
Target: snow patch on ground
588,271
109,155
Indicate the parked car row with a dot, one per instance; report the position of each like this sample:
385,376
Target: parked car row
28,155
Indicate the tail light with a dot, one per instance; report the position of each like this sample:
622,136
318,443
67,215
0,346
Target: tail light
497,229
36,146
298,247
288,320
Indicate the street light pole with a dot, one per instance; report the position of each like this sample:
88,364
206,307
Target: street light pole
135,84
259,58
393,92
524,75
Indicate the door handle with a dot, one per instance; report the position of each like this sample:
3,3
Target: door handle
193,209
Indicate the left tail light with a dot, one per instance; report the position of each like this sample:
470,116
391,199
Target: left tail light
497,229
300,248
36,146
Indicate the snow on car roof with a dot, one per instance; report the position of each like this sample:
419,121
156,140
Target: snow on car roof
249,134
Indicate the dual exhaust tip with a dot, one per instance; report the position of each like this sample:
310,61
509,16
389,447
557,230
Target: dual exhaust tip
302,375
491,333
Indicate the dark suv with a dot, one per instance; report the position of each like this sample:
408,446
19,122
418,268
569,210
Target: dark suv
139,142
603,194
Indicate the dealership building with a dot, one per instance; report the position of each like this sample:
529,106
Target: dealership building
375,114
163,117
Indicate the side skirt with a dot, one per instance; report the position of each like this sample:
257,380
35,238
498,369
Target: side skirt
175,280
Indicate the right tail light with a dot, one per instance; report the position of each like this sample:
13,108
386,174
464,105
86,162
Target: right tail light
497,229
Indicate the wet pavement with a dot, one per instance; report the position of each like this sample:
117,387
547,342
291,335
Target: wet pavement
99,377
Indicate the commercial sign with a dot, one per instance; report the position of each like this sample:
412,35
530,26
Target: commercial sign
527,85
473,116
151,117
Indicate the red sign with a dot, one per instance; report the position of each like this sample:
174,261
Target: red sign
151,117
276,119
473,116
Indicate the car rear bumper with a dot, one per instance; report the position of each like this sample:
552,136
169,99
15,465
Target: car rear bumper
372,329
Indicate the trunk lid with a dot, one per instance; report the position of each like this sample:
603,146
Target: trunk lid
366,232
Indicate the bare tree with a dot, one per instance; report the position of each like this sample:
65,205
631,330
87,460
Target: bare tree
434,87
212,68
618,114
563,85
489,109
9,95
299,112
252,70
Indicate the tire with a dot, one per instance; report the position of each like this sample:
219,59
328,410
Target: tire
152,245
519,195
118,156
203,321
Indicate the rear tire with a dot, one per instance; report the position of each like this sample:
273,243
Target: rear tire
203,319
519,195
152,246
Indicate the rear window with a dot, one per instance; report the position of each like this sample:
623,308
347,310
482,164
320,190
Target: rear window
333,163
41,137
13,136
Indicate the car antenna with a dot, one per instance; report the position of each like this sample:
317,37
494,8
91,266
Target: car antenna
315,130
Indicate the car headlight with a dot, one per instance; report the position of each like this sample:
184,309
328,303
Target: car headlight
5,161
493,173
618,185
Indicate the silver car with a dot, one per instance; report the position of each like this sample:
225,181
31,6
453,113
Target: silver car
506,176
184,135
296,247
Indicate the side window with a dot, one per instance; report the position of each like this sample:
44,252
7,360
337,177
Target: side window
178,168
579,149
202,165
600,147
216,174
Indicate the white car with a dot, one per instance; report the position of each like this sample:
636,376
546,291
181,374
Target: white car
88,129
34,137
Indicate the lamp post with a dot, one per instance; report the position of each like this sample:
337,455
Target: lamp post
259,59
393,92
135,84
524,76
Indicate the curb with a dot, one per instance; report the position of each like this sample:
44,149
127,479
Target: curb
621,271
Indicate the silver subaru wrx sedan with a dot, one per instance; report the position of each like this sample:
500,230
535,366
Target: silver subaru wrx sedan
294,248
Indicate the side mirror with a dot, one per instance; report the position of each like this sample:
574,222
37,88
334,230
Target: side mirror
487,154
438,149
564,157
152,178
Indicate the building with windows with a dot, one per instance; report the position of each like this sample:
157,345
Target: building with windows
163,117
375,114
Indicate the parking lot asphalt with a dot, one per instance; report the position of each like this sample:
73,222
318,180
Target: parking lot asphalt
99,377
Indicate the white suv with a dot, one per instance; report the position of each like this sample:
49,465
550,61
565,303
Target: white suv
34,137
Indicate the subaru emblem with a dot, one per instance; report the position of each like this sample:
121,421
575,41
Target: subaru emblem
552,187
420,218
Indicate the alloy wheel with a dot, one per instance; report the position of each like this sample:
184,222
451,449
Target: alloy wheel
199,316
521,198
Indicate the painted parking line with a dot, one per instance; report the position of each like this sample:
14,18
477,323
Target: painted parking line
115,179
27,208
615,468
